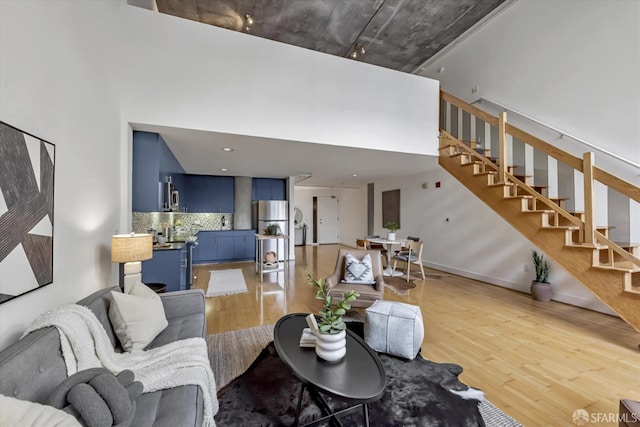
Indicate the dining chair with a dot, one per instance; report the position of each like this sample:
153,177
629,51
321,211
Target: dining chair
378,247
412,256
404,248
363,244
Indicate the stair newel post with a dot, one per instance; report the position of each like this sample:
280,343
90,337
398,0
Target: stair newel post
502,155
589,211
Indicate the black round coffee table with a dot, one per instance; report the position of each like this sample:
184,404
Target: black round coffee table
359,378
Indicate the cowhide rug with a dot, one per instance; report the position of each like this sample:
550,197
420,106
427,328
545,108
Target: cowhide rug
417,394
399,285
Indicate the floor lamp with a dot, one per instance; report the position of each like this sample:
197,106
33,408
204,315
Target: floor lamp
129,250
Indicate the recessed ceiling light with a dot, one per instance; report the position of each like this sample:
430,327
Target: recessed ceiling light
227,149
355,174
224,169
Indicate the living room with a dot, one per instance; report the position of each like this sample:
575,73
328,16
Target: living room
61,78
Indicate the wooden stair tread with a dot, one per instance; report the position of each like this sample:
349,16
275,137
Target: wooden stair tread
561,227
459,153
624,266
590,246
627,265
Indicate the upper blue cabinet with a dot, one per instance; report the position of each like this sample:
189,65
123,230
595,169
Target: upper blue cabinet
211,194
269,189
153,162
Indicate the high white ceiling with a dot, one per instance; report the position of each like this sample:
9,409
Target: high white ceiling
200,152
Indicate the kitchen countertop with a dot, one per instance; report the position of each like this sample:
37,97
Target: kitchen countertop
169,247
226,231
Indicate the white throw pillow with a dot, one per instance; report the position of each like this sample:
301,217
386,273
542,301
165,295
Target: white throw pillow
137,316
16,412
358,272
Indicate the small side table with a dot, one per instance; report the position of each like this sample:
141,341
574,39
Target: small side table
279,265
158,288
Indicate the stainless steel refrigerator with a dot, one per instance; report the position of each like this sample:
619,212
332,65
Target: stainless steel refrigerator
267,212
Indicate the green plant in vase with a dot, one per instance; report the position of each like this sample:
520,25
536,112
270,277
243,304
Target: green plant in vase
331,318
540,287
392,227
273,230
541,266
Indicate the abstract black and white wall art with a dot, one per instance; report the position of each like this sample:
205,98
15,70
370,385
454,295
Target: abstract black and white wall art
26,212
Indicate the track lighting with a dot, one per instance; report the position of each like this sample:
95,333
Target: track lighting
358,51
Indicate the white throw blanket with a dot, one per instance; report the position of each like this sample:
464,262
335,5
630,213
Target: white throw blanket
85,345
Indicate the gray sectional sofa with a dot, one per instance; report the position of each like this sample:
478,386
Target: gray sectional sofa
33,366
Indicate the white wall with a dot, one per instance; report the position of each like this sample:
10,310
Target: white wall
196,76
573,64
352,210
52,85
76,73
475,242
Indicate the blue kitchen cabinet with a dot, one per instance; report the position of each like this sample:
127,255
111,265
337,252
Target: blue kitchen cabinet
211,194
244,246
197,195
207,249
168,266
169,165
152,163
269,189
214,246
225,194
145,183
224,246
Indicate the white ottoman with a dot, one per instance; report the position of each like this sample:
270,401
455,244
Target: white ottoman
395,328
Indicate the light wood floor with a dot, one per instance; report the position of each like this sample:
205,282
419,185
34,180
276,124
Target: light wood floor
538,362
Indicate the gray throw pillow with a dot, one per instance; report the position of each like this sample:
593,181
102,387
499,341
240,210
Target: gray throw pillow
98,397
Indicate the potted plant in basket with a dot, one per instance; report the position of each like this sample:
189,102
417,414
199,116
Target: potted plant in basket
540,287
331,336
392,227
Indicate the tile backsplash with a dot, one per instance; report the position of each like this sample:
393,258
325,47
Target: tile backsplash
191,222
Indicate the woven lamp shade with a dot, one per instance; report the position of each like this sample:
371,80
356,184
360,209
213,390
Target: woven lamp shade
131,247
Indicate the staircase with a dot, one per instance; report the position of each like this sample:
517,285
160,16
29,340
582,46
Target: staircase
609,269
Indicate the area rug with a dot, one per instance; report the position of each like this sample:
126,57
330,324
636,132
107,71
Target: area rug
417,394
399,285
226,282
230,352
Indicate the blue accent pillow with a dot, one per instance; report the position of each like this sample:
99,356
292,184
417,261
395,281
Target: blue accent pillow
358,272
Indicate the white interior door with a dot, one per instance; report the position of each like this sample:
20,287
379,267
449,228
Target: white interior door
328,224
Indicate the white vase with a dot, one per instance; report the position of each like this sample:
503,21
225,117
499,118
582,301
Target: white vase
391,236
331,347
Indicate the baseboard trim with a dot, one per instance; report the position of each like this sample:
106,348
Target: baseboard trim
520,287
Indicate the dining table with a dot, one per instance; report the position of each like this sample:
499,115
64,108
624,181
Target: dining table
388,271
